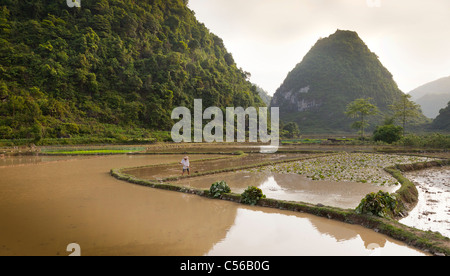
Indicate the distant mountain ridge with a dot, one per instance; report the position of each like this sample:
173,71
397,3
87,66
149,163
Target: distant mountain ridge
442,121
264,95
336,71
433,96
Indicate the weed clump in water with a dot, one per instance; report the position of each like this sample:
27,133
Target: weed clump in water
219,188
380,204
252,195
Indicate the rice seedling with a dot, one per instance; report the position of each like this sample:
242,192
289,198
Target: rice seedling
359,167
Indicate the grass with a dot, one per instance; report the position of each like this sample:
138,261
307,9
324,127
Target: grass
316,141
92,152
108,135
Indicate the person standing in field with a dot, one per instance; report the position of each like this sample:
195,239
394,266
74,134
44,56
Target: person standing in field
185,163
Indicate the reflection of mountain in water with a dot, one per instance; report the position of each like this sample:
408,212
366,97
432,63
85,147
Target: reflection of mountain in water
292,187
346,232
271,185
260,231
264,231
110,217
296,187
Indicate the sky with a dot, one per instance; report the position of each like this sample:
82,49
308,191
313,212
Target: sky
269,37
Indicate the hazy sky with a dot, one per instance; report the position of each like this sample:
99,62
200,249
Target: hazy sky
269,37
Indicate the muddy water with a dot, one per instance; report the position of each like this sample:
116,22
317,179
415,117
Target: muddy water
293,187
433,209
30,159
259,232
46,206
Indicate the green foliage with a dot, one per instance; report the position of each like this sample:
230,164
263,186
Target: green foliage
124,63
291,130
361,108
380,204
412,140
405,110
264,95
435,140
388,133
252,195
442,121
219,188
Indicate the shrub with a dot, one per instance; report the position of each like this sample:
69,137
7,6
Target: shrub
411,140
291,130
380,204
252,195
435,140
6,132
438,140
219,188
388,133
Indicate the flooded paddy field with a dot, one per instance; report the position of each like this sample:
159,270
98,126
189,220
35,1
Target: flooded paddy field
213,164
261,232
30,159
292,187
47,204
433,209
338,180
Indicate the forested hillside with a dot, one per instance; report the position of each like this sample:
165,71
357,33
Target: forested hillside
109,65
336,71
442,121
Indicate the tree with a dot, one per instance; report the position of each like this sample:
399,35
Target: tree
4,93
126,63
388,133
292,130
361,108
405,110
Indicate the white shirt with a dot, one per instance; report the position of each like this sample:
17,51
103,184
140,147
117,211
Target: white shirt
185,163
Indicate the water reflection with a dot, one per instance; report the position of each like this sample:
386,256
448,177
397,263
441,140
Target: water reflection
44,207
271,185
260,233
6,161
293,187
